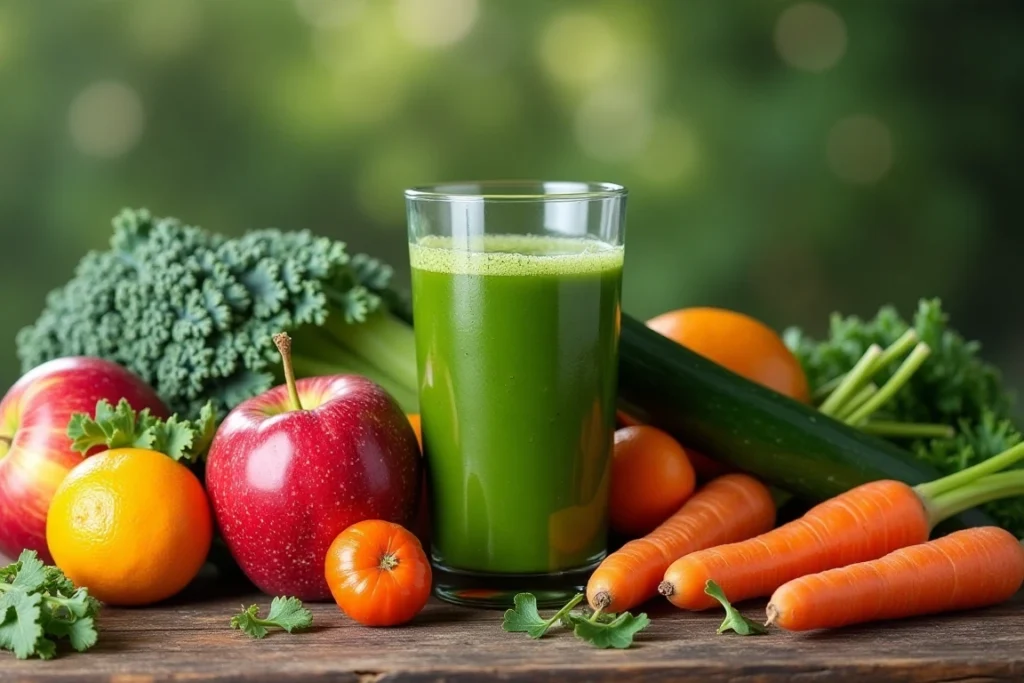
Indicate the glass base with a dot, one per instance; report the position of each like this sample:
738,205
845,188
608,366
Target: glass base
497,591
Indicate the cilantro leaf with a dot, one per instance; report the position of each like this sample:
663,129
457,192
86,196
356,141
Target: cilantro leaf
598,629
617,633
289,614
40,606
524,617
733,619
20,626
31,572
123,427
285,613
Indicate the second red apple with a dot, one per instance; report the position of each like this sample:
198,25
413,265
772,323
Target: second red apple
286,479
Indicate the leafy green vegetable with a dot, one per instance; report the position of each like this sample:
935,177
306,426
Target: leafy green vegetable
954,386
734,621
954,383
600,630
285,613
617,633
192,312
39,606
524,617
122,427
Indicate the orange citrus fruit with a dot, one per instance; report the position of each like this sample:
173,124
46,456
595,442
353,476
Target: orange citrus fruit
131,525
738,342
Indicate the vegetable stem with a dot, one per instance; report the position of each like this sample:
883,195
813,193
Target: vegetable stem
284,346
979,492
566,609
895,383
858,399
891,353
853,380
909,430
384,341
960,480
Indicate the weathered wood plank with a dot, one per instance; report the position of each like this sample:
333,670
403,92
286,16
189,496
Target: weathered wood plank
191,641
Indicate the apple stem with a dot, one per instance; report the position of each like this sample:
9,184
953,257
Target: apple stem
284,345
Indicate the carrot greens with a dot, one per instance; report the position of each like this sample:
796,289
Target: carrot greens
954,387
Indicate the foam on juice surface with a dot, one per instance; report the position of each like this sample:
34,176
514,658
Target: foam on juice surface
515,255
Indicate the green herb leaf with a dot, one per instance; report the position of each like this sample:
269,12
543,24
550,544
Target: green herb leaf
617,633
123,427
31,573
20,627
39,606
600,630
733,619
524,617
285,613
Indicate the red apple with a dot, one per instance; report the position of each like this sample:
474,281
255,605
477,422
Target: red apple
284,482
35,452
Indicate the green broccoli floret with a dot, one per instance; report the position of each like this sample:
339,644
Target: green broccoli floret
193,312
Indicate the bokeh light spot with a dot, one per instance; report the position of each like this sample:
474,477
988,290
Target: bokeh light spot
810,36
579,48
435,23
613,123
329,13
164,28
106,119
671,156
859,149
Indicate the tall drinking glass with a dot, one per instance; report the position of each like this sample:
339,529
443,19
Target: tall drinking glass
516,289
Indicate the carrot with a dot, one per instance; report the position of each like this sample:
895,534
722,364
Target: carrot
730,508
970,568
862,524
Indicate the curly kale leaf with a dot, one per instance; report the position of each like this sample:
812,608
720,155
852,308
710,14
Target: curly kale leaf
193,312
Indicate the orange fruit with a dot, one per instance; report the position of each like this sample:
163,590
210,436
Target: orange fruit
131,525
651,479
414,421
736,341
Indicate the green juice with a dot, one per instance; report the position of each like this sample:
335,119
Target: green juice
517,346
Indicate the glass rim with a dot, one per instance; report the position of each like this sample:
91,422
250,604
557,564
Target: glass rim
515,191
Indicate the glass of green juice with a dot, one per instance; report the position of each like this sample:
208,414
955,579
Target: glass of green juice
516,303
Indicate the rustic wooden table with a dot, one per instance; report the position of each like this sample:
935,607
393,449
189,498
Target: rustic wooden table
190,640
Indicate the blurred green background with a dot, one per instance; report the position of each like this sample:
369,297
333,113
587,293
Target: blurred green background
784,158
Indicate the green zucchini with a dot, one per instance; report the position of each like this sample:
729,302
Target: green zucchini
733,420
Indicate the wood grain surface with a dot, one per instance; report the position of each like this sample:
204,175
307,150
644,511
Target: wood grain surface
189,640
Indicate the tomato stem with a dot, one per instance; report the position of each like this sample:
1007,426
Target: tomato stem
388,562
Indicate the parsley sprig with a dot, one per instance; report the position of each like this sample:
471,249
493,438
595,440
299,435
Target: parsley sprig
123,427
734,621
39,606
285,613
599,629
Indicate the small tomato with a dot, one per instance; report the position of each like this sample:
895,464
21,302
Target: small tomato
378,573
